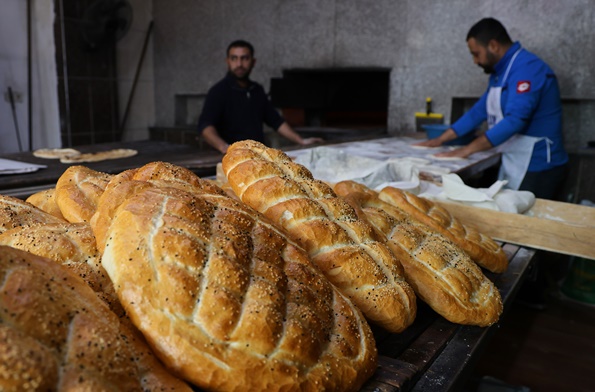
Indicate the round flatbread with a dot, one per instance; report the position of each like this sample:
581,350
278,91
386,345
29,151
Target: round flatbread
416,147
55,153
438,158
100,156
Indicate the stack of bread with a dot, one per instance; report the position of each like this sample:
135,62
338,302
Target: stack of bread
420,257
155,279
209,293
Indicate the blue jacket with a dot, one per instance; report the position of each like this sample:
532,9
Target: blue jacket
530,104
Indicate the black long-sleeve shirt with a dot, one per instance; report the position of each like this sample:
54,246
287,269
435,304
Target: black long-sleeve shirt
238,113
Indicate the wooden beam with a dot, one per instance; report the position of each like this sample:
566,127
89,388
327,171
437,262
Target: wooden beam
553,226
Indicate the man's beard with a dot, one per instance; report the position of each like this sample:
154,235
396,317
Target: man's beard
243,75
489,67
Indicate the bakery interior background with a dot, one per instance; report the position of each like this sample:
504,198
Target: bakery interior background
81,95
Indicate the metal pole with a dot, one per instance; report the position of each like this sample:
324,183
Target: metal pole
65,76
14,117
29,79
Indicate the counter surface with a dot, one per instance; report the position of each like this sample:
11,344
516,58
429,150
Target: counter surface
201,162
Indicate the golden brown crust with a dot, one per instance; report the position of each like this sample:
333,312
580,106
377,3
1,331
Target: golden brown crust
77,192
222,296
441,273
347,250
482,249
55,334
16,213
72,245
45,201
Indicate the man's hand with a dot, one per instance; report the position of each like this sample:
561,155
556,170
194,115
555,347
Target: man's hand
446,136
429,143
311,140
480,143
462,152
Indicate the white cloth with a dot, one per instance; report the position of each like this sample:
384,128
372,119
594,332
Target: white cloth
333,165
494,198
8,166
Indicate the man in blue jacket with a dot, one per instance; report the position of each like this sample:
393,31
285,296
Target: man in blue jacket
236,107
523,110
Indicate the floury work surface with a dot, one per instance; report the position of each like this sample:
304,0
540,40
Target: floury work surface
386,160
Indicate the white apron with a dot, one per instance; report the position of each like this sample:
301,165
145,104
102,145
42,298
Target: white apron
516,151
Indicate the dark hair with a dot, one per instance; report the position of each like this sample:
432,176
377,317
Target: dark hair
488,29
240,43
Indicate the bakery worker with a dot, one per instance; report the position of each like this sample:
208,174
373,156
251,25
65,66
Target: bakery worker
523,110
236,107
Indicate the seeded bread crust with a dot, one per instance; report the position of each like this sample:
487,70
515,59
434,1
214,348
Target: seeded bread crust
223,297
439,271
482,249
77,192
347,250
56,334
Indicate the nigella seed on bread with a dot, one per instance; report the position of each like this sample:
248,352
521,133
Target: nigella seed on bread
347,249
226,301
481,248
439,271
57,335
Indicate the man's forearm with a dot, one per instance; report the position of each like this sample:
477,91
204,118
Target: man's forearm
481,143
286,131
212,137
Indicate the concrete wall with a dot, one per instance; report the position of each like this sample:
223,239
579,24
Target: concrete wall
141,101
422,41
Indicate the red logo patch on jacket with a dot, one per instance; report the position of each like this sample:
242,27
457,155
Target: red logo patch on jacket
524,86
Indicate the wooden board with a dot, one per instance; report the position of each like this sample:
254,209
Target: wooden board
553,226
565,212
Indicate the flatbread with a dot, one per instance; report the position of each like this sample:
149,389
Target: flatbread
416,147
100,156
438,158
55,153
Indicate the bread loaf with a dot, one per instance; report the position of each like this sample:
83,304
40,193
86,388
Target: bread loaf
345,248
440,272
56,335
77,191
72,245
482,249
45,201
225,300
16,213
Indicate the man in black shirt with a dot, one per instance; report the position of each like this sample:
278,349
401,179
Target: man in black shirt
236,107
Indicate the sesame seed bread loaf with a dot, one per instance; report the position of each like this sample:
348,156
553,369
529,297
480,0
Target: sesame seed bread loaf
440,272
45,201
56,335
482,249
77,191
15,213
347,250
72,245
224,299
